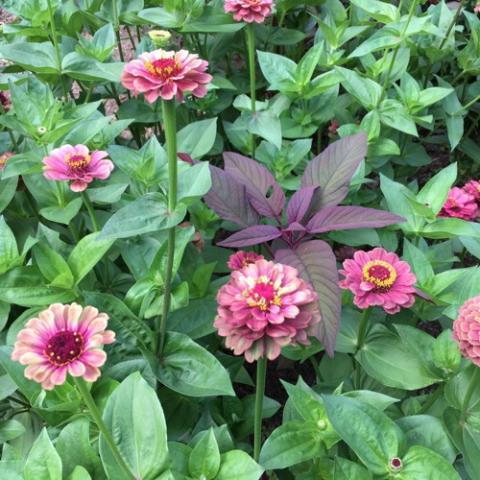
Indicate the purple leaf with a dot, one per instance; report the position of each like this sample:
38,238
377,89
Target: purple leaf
333,170
259,182
228,198
317,265
348,218
299,204
251,236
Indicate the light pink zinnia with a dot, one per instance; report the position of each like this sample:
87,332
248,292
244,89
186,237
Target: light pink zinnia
63,339
241,259
249,10
379,278
466,329
264,307
476,9
166,74
78,165
459,204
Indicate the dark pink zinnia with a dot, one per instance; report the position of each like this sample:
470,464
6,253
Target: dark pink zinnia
249,10
264,307
166,74
241,259
473,188
466,329
459,204
379,278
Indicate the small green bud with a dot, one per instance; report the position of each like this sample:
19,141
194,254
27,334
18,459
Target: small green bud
41,130
160,38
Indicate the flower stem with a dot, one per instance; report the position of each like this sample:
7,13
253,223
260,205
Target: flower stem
468,395
362,330
259,393
116,26
91,212
169,122
250,37
97,417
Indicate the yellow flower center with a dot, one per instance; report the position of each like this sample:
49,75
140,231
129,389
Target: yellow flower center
263,295
78,161
382,274
162,67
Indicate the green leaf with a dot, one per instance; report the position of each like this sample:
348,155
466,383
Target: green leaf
134,415
446,352
197,138
144,215
79,473
43,461
191,370
8,247
204,461
418,261
347,470
278,70
292,443
10,429
52,265
381,11
37,57
451,228
238,465
421,463
373,436
194,182
365,90
395,115
308,63
268,126
86,254
8,188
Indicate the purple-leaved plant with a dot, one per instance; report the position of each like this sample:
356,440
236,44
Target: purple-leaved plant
246,193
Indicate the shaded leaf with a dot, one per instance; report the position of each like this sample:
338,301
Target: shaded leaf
251,236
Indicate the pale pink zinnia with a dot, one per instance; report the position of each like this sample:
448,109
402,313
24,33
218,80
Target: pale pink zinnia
459,204
249,10
466,329
166,74
241,259
264,307
379,278
78,165
63,339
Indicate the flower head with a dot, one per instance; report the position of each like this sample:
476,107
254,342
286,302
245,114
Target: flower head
77,164
63,339
160,38
166,74
249,10
3,159
466,329
5,101
459,204
473,188
379,278
476,9
241,259
264,307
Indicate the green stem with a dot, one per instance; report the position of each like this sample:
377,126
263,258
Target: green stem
89,93
468,396
362,331
397,48
58,53
116,26
91,212
468,105
169,122
259,394
250,37
97,417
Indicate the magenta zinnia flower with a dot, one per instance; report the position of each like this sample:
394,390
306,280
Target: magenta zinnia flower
249,10
166,74
379,278
264,307
473,188
77,164
466,329
63,339
459,204
241,259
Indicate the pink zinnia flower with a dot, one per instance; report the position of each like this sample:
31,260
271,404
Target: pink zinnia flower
264,307
476,9
63,339
459,204
379,278
77,164
249,10
166,74
5,101
4,158
473,188
241,259
466,329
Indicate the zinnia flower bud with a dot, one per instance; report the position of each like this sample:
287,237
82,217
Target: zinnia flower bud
160,38
379,278
166,74
466,329
249,10
264,307
5,101
241,259
77,164
64,339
